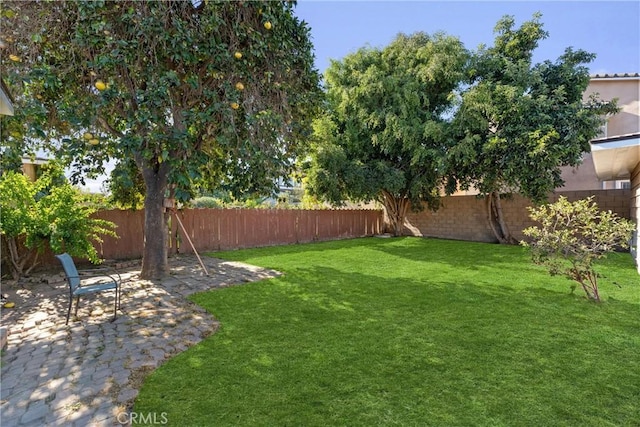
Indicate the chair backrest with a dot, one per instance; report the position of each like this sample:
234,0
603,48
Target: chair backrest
70,270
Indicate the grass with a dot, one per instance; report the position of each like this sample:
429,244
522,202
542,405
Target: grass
408,332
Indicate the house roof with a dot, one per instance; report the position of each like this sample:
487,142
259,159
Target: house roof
617,156
616,76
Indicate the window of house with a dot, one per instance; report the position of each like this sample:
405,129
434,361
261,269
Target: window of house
603,133
623,184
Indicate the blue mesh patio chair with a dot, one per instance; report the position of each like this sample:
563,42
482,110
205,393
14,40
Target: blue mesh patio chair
87,282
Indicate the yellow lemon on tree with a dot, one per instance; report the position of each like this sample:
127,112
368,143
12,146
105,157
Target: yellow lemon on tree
14,58
235,105
94,141
267,25
238,55
239,86
100,85
87,136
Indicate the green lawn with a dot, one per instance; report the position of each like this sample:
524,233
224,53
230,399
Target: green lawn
408,332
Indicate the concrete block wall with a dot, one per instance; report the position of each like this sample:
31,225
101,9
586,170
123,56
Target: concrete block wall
464,217
460,218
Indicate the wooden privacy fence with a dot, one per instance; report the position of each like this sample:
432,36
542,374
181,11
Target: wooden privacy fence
221,229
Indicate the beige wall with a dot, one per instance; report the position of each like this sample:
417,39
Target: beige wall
582,177
627,90
627,121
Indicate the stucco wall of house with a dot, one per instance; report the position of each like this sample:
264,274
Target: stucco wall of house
627,121
627,91
582,177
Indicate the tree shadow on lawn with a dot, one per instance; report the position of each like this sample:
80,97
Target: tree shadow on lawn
325,246
455,252
477,255
329,294
528,354
451,252
439,260
336,289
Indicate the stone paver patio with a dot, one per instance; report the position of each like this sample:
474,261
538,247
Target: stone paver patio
88,373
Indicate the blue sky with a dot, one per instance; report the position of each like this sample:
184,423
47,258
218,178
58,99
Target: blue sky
610,29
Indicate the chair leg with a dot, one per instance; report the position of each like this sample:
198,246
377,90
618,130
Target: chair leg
77,306
115,306
69,309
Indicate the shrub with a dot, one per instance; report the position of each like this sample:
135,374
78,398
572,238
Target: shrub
207,202
48,210
573,236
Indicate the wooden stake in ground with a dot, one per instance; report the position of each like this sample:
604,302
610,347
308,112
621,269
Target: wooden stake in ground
175,214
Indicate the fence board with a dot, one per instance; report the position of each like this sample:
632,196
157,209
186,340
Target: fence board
222,229
130,231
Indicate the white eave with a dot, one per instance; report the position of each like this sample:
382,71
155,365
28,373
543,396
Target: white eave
615,157
35,160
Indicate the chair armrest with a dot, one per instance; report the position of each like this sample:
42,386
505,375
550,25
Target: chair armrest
101,270
98,277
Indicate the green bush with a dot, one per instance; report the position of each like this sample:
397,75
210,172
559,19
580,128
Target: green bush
48,210
573,236
207,202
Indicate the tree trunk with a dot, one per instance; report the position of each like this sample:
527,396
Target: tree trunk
495,218
155,263
18,258
396,208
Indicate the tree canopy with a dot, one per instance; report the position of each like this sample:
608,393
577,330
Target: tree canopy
189,95
520,122
384,135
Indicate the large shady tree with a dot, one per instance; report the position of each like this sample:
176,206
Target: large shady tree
385,133
184,93
520,122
